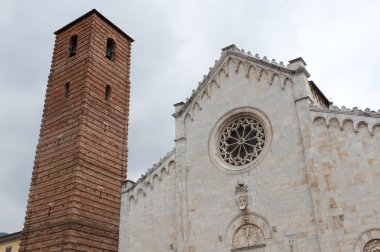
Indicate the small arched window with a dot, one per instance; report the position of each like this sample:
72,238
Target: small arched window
110,51
107,92
73,45
66,91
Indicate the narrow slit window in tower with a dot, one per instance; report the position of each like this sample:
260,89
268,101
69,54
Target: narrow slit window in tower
107,92
110,51
73,45
66,91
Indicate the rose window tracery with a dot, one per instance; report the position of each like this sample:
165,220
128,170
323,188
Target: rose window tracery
372,246
241,141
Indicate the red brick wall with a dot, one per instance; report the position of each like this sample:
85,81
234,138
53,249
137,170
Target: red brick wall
81,157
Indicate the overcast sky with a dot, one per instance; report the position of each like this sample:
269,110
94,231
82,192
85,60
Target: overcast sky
175,44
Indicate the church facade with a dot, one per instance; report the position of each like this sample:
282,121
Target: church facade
262,162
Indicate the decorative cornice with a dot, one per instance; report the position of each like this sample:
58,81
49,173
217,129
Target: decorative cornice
169,155
344,110
250,63
343,114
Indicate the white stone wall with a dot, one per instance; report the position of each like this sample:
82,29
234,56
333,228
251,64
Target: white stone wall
314,189
278,188
148,213
347,168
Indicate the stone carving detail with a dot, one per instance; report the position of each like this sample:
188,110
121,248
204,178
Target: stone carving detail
147,181
248,63
372,246
248,235
241,141
356,117
241,194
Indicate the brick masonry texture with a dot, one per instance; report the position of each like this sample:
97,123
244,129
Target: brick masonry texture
81,157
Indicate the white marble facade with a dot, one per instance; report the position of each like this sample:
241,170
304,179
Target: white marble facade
262,162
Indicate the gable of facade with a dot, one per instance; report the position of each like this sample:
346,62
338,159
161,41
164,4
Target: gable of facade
262,162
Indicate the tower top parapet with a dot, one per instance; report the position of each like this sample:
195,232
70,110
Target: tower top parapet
91,12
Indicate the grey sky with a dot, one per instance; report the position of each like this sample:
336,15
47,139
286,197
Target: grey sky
175,44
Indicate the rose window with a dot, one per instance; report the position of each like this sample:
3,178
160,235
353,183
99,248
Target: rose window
241,141
372,246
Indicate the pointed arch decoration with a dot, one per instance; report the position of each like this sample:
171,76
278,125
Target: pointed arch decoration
234,64
342,118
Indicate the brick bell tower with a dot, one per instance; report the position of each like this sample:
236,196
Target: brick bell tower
81,157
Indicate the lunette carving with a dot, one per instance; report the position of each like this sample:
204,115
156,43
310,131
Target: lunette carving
248,235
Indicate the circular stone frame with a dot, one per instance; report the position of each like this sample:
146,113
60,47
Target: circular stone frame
223,122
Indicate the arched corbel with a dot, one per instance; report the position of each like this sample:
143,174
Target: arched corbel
249,69
196,104
140,191
132,198
270,75
341,122
216,80
319,117
285,81
259,73
156,178
164,171
189,115
238,65
328,121
148,184
356,126
371,127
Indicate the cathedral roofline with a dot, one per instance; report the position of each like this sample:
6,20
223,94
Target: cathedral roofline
347,111
296,66
149,171
324,98
91,12
357,117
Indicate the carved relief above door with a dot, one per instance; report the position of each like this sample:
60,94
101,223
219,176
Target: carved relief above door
248,232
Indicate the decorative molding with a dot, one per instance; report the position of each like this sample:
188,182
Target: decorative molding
356,116
343,110
150,178
241,60
255,225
